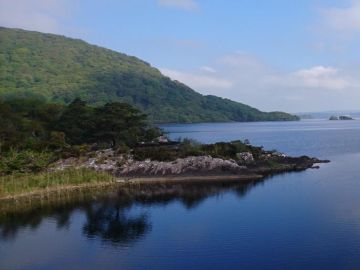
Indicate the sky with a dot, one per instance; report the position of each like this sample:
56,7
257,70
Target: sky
294,56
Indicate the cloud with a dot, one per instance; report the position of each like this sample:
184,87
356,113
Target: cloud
343,19
180,4
196,80
321,77
207,69
39,15
245,78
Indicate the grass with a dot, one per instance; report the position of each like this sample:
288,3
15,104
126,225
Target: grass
18,184
274,164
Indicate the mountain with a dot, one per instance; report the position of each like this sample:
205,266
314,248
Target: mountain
60,69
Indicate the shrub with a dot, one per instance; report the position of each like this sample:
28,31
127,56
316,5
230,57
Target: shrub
156,153
25,161
189,147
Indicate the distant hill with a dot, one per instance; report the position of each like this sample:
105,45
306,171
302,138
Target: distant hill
60,69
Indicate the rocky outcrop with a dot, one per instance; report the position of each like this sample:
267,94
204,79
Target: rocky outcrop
245,157
124,166
103,160
342,117
181,166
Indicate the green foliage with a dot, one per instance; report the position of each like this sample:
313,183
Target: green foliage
120,123
11,185
192,148
31,129
60,69
77,121
28,124
226,150
25,124
160,154
273,164
24,161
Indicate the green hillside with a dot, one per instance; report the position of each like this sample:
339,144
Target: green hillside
61,69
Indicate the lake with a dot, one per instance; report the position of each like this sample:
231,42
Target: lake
303,220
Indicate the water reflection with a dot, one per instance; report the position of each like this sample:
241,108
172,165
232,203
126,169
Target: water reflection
109,215
110,222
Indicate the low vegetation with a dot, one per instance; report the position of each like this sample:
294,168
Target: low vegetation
15,184
188,147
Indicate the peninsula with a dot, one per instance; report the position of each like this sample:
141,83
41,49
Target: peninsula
47,147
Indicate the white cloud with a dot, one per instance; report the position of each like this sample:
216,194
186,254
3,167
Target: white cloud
40,15
343,19
181,4
197,81
321,77
207,69
244,78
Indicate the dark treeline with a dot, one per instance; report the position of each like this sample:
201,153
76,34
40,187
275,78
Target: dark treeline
34,130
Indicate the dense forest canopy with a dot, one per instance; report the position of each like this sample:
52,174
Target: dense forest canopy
34,133
37,125
60,69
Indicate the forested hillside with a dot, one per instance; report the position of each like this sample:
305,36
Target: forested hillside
60,69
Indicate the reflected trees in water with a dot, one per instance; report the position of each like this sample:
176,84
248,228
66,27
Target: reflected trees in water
111,217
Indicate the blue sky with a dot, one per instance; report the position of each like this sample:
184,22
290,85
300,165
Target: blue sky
272,54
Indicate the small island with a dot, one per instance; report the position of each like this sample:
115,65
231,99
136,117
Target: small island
342,117
47,147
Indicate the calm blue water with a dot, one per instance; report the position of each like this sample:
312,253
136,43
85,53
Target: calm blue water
306,220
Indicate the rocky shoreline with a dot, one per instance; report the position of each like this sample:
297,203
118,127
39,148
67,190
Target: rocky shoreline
163,163
128,170
125,167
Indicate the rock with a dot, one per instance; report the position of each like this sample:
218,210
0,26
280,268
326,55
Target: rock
245,157
121,165
342,117
162,139
201,164
278,154
103,160
124,165
120,181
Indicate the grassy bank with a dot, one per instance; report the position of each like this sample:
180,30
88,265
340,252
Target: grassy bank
17,184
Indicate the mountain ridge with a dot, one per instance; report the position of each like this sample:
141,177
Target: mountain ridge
60,69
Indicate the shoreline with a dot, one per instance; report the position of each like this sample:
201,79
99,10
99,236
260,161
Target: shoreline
131,181
233,162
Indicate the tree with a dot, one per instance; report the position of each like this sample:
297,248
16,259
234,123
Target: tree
77,122
119,123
